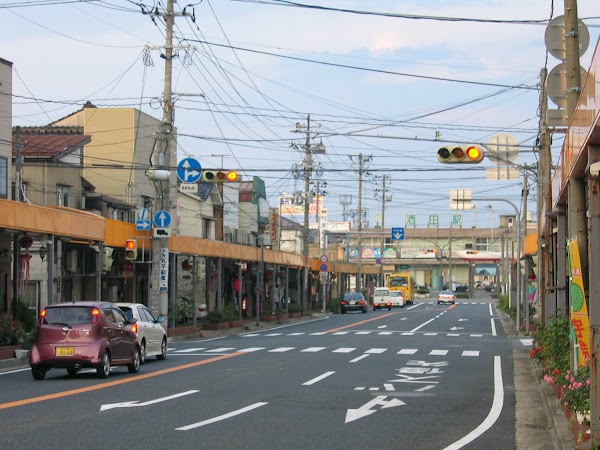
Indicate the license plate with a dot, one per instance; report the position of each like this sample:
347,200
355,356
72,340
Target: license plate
353,303
64,351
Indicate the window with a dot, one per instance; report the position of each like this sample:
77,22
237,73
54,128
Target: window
119,317
206,228
62,195
3,177
3,291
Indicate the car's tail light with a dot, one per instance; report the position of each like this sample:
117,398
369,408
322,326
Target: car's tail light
361,302
343,302
134,327
95,316
42,316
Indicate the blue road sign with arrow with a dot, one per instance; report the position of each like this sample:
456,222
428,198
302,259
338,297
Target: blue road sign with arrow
162,219
142,224
398,234
189,170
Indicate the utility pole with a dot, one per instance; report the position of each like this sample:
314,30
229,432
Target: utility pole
383,200
523,293
308,165
361,160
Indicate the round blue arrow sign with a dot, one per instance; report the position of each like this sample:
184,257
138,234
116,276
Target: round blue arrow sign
162,219
189,170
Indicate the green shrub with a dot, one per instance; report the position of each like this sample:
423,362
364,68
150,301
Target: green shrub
294,307
462,295
334,305
24,315
503,303
552,347
216,317
421,291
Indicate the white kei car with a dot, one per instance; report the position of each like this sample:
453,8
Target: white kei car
150,333
397,298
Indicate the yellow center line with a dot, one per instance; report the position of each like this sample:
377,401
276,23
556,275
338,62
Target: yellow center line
361,322
108,384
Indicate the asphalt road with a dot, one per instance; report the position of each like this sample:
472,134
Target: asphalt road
425,376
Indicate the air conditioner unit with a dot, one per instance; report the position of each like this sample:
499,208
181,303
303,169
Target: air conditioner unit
71,263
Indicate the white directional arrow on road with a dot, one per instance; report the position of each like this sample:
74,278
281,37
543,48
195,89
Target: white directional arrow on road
365,410
150,402
456,328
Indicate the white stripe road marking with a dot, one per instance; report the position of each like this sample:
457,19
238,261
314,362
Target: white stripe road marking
340,333
274,334
317,379
494,413
425,388
251,349
453,334
373,388
320,333
222,417
359,358
388,386
385,333
407,334
430,334
281,349
363,332
438,352
422,325
493,324
313,349
476,335
344,350
491,312
220,350
359,388
407,351
188,350
250,335
376,351
295,334
470,353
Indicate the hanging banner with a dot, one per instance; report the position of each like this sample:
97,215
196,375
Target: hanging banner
579,312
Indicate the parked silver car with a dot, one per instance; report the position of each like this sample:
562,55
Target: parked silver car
150,333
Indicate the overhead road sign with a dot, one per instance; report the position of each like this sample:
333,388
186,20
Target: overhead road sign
189,170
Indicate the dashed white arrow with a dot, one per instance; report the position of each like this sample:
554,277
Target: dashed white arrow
149,402
365,410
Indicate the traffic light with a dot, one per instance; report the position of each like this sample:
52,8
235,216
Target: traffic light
220,176
460,154
131,249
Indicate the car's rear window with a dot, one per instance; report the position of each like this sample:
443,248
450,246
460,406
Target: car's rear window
127,311
381,292
68,315
353,296
396,294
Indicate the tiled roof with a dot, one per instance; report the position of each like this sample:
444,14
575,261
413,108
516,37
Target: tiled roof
49,145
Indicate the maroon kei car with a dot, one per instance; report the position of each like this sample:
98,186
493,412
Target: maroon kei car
83,334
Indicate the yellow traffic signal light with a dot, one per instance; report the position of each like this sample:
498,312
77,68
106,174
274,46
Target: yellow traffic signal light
131,249
460,154
220,176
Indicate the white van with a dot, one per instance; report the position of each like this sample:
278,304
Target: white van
381,298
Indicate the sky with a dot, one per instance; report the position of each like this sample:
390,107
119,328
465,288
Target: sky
388,82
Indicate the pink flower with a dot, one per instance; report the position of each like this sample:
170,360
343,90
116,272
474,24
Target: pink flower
588,382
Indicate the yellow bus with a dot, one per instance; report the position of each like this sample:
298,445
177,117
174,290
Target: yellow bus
402,282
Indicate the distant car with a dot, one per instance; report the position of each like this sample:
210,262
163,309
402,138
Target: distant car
151,335
353,301
490,287
446,297
381,299
397,299
83,334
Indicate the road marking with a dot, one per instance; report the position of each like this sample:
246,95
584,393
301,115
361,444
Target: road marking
363,332
493,324
274,334
14,371
281,349
136,403
415,306
453,334
220,350
250,335
438,352
492,416
430,334
340,333
365,410
317,379
476,335
383,316
189,350
109,384
470,353
252,349
313,349
295,334
425,388
344,350
376,351
382,326
222,417
357,359
407,334
422,325
407,351
491,311
320,333
388,386
456,328
373,388
385,333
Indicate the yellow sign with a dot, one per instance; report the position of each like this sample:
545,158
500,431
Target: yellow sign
579,312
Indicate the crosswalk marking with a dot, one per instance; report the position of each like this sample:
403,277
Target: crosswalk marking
385,333
251,349
362,333
220,350
313,349
376,351
359,358
407,351
438,352
340,333
344,350
453,334
190,350
282,349
470,353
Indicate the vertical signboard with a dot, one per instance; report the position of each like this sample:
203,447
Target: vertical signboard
579,313
163,284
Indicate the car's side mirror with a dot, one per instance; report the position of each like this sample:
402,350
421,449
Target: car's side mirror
131,321
160,319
